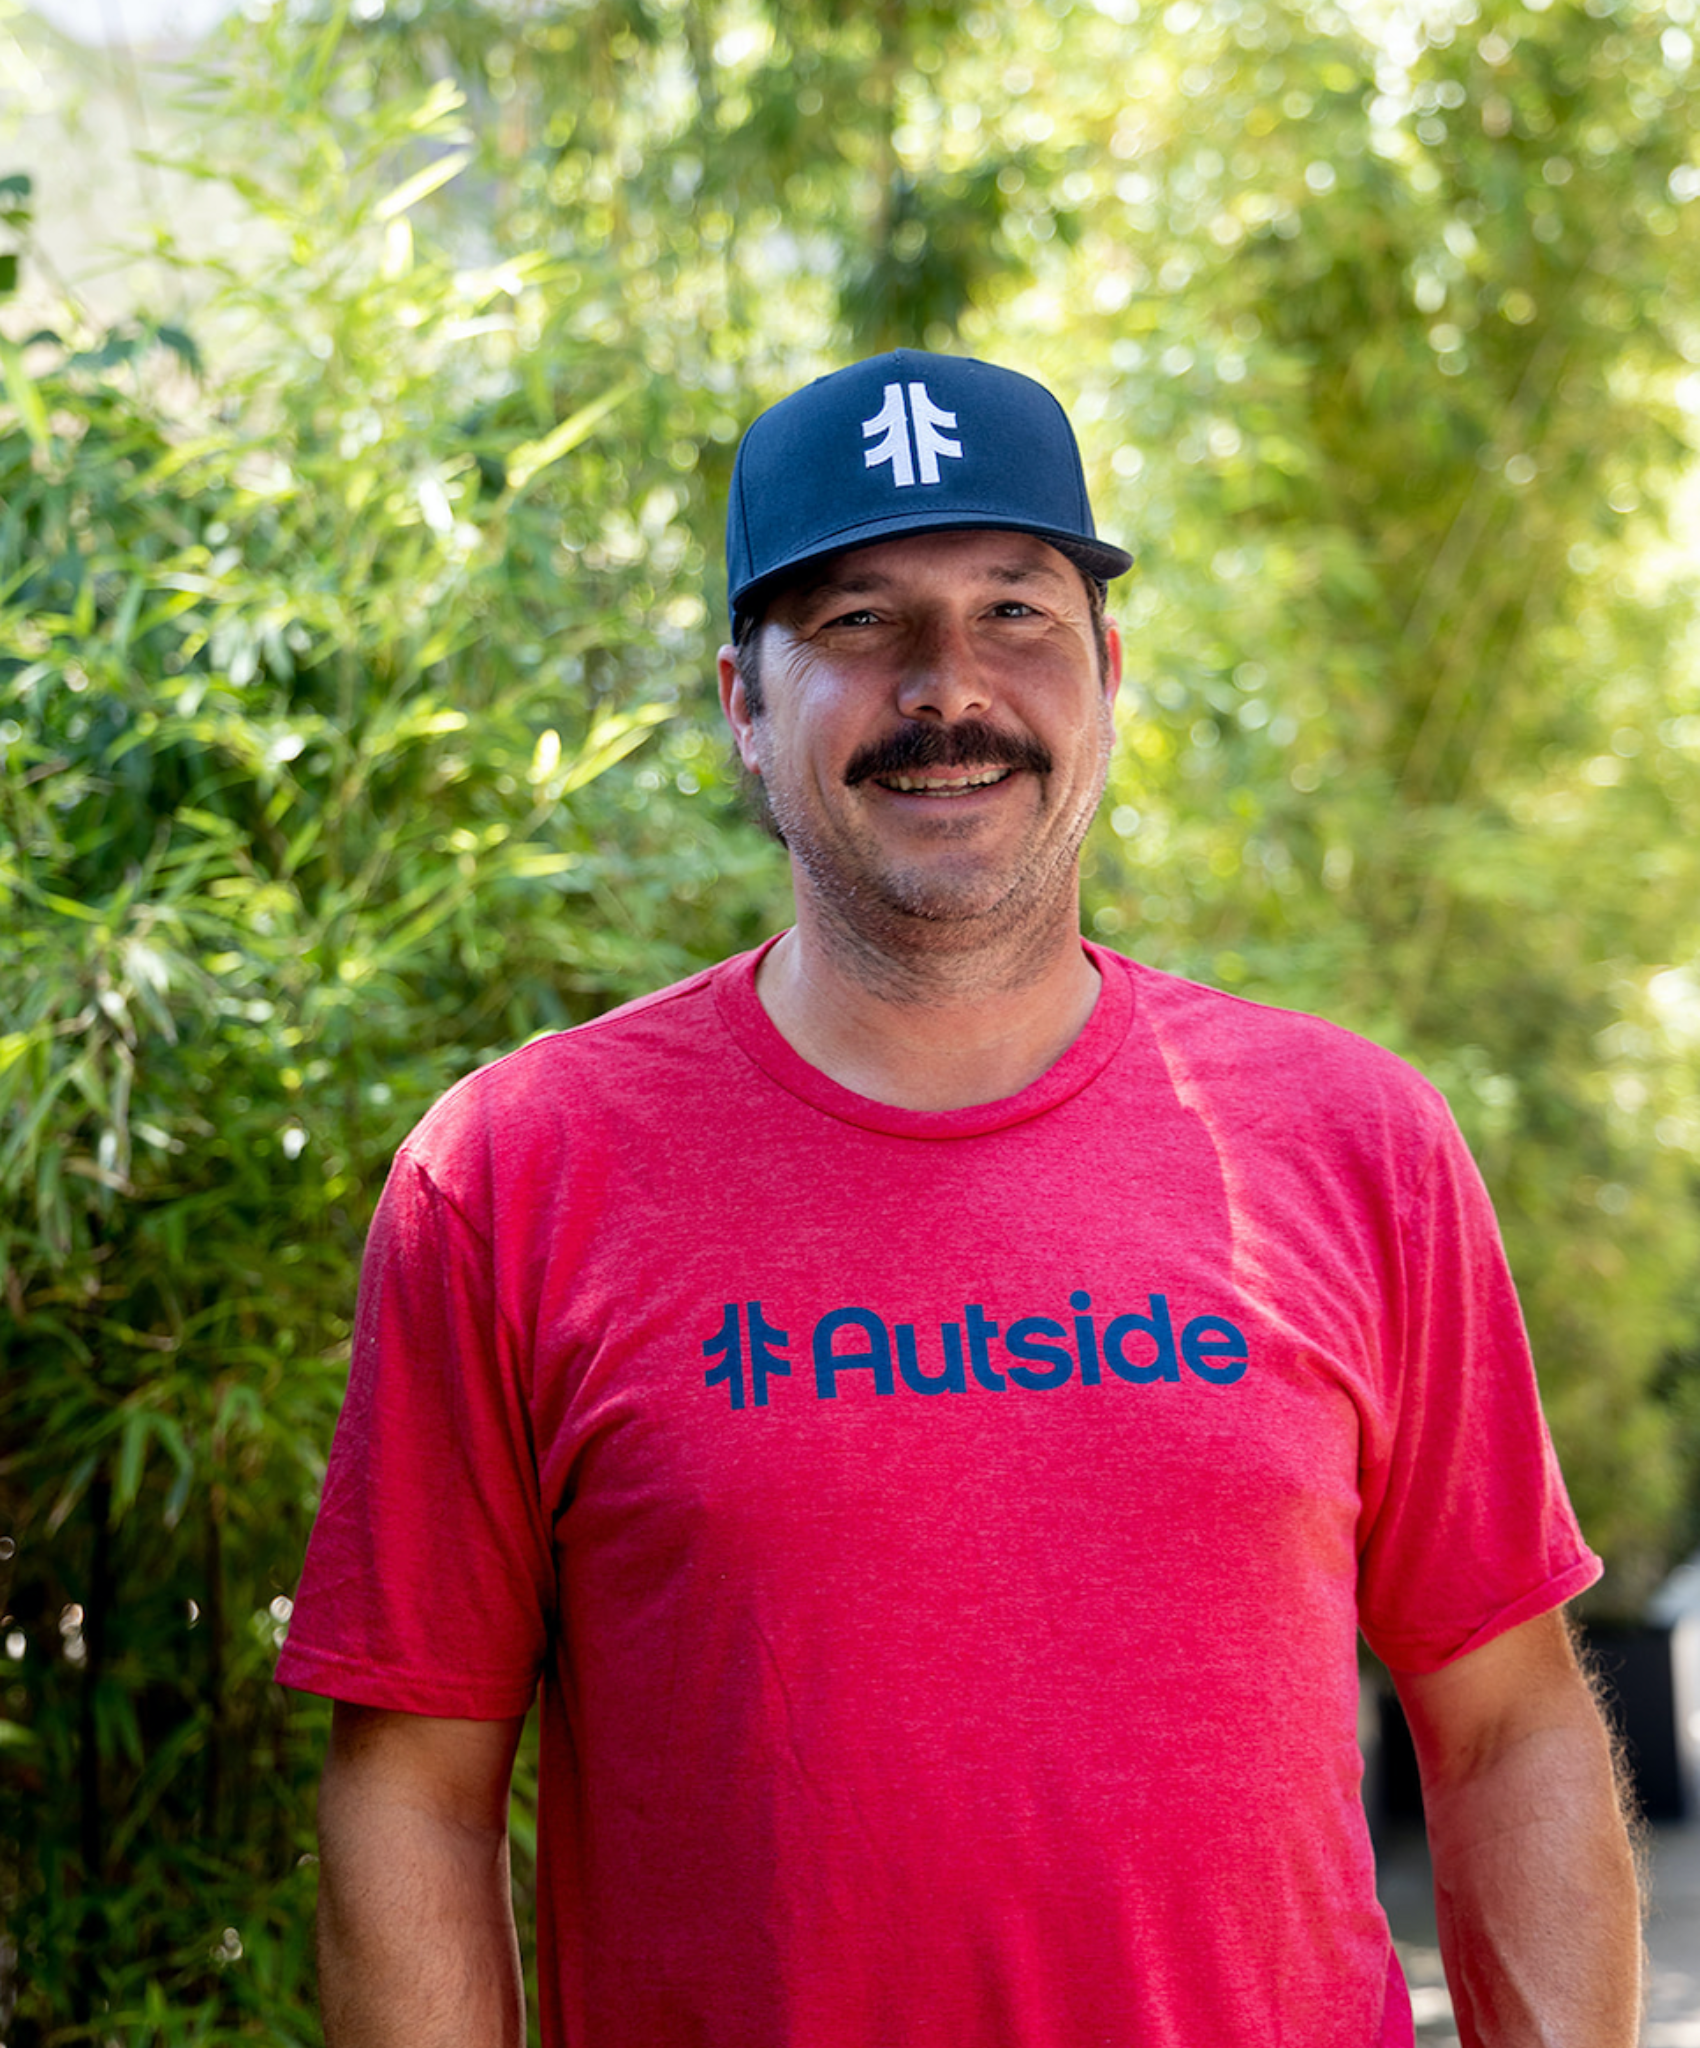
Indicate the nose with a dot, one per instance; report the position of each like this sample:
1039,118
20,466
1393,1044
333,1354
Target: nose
942,678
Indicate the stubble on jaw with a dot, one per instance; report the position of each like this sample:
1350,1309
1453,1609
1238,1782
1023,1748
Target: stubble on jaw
913,936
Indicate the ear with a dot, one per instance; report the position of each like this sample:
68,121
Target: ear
735,705
1112,659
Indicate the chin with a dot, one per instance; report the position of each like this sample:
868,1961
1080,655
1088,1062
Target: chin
978,906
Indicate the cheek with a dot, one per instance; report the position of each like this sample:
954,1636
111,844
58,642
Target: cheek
810,741
1091,738
780,760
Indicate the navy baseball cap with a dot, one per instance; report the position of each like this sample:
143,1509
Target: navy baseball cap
905,443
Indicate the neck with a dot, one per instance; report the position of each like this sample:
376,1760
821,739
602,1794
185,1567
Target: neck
938,1026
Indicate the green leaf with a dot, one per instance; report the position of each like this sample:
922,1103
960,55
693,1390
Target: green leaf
411,190
610,740
26,399
531,457
132,1457
14,1046
71,1492
68,907
182,345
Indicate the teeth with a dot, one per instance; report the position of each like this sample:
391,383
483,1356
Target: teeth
944,785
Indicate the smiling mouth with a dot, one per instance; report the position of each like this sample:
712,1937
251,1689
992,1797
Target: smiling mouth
944,785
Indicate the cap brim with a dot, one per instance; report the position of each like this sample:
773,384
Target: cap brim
1093,557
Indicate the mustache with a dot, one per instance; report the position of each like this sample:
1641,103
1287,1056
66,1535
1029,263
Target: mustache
969,744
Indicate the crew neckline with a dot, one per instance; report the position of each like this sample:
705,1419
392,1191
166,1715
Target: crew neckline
756,1034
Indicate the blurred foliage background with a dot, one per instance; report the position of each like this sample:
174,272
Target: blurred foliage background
359,588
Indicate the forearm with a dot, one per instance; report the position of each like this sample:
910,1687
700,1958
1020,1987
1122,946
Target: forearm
416,1937
1537,1895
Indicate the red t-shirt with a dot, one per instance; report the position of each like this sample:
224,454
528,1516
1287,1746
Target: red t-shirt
941,1537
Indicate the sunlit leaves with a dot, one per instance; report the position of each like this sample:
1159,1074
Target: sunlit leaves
321,693
1393,604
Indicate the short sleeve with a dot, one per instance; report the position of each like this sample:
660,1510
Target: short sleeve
428,1584
1466,1527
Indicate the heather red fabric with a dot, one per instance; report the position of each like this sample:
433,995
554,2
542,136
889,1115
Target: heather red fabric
941,1538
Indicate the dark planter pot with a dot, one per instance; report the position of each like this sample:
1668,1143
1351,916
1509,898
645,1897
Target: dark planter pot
1635,1668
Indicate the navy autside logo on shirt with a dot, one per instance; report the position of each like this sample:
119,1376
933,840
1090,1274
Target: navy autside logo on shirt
1036,1353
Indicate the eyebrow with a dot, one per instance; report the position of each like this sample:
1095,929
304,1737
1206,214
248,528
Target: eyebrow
833,589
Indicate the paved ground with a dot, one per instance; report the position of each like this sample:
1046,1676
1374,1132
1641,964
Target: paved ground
1673,1938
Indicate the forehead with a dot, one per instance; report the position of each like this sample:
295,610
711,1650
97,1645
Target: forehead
948,560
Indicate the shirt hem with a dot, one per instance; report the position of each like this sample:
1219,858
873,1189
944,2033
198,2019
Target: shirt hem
1418,1659
358,1684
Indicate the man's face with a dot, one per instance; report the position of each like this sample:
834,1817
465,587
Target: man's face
934,731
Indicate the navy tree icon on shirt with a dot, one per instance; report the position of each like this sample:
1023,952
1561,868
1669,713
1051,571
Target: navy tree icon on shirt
1037,1353
727,1344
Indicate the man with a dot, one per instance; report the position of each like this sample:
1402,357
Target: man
935,1402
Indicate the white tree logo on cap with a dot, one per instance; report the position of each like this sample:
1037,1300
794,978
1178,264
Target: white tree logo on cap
893,423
